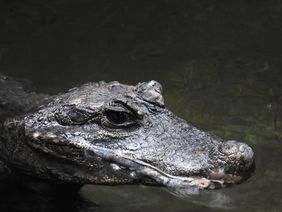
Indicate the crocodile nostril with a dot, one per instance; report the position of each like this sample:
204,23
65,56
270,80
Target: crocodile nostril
247,154
242,148
238,162
231,142
239,152
230,147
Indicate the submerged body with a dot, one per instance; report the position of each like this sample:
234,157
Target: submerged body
111,133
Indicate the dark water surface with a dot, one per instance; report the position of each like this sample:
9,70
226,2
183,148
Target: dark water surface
220,63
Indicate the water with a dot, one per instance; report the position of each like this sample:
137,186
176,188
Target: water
219,63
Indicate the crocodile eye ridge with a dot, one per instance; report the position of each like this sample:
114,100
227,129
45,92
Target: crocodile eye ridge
70,115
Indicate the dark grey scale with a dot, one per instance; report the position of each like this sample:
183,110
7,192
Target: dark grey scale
84,135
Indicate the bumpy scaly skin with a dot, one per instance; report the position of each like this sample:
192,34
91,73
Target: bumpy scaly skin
109,133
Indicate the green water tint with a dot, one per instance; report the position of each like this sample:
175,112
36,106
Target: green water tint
231,95
218,61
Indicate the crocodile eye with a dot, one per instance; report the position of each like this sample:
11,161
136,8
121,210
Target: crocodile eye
118,119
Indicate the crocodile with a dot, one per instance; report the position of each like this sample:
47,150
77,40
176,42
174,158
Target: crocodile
112,133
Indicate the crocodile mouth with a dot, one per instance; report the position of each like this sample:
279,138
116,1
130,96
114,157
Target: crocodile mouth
139,170
144,170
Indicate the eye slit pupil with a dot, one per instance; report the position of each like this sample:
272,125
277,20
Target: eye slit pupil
116,117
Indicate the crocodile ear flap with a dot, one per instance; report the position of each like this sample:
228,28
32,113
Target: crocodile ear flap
151,92
71,115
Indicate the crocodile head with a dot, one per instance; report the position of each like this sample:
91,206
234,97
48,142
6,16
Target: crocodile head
111,133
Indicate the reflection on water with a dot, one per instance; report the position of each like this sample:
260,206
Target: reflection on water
144,198
220,65
206,198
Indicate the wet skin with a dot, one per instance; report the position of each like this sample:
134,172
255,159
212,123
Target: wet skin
111,133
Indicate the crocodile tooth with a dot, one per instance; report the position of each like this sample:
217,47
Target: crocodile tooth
133,174
36,135
115,166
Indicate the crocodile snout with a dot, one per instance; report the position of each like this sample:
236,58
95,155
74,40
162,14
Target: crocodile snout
238,161
239,153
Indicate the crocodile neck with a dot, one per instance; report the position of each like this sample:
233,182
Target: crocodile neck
18,98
